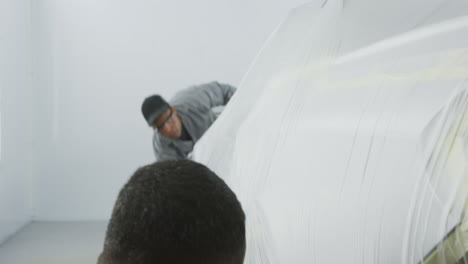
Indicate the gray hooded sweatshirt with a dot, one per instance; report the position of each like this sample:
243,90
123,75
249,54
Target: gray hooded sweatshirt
194,107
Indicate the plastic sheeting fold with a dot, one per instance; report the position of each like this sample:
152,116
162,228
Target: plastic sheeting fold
346,141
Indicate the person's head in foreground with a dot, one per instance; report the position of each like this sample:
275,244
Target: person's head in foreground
175,212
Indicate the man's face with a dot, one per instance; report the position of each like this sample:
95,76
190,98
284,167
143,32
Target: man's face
169,124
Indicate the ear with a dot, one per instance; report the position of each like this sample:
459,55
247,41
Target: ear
174,112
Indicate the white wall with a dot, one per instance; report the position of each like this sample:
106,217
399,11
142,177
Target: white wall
95,63
16,141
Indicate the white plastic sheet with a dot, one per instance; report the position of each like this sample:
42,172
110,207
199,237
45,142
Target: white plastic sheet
346,141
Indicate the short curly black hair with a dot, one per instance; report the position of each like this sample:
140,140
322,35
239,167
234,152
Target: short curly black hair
175,212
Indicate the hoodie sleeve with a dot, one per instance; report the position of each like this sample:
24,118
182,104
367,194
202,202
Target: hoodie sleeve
205,96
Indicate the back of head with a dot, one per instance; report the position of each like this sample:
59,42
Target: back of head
175,212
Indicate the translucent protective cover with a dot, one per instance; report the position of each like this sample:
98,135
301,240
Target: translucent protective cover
346,141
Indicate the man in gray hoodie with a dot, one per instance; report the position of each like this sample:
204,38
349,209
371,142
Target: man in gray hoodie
179,124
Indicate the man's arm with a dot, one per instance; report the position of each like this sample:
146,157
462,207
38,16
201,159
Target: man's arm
218,93
206,95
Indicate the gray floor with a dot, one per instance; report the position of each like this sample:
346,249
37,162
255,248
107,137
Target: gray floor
54,243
